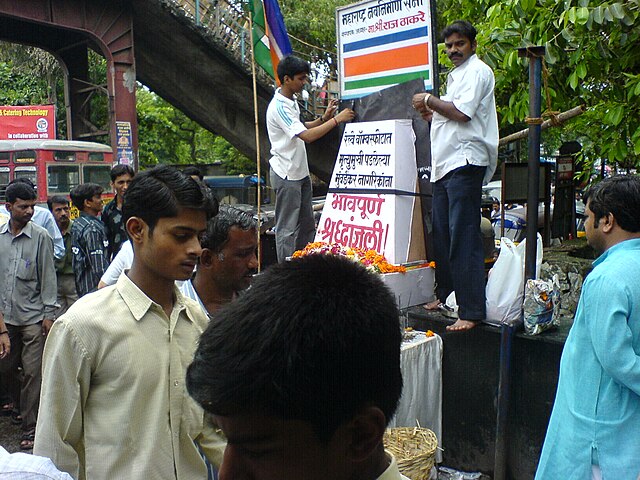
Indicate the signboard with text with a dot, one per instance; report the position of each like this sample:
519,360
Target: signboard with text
372,191
35,122
382,43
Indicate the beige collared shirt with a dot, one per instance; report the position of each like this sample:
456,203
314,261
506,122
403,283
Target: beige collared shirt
114,403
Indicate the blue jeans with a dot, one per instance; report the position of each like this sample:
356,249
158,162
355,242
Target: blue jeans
295,226
457,240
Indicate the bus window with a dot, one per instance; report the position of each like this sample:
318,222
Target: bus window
24,156
61,179
26,172
63,156
96,156
100,174
4,181
4,157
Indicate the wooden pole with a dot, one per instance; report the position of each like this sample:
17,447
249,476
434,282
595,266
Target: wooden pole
560,118
257,129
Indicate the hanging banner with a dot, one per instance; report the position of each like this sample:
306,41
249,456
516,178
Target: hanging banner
383,43
34,122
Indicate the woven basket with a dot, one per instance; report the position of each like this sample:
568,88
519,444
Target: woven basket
414,449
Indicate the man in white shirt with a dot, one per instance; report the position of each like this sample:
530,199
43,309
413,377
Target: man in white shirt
464,153
302,373
289,172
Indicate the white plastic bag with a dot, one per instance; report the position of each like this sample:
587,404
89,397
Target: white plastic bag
505,286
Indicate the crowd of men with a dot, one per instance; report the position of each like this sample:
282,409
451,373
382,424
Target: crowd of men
135,367
39,283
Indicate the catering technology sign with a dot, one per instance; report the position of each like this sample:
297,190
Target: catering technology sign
27,123
383,43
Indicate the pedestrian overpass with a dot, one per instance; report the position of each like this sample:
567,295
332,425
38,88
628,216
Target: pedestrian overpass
193,53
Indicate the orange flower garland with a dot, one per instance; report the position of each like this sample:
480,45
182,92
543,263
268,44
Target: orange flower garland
369,258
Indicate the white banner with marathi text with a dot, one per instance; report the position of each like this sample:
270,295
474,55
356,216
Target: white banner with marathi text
372,191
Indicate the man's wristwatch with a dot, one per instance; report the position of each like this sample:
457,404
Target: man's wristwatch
426,100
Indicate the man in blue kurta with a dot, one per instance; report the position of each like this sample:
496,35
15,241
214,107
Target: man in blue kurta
594,430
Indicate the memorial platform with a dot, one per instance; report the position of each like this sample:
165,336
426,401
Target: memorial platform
470,373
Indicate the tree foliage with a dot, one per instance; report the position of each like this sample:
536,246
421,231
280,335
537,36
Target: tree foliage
591,58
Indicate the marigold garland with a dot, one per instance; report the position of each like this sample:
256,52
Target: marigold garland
369,258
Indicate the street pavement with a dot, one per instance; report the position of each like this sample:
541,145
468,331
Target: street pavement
10,436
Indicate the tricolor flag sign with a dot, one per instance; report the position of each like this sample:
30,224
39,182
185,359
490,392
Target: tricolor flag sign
382,43
270,38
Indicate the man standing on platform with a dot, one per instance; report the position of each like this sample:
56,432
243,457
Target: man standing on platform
67,295
121,176
464,153
594,430
89,239
289,172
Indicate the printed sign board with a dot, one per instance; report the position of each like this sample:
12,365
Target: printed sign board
382,43
35,122
371,196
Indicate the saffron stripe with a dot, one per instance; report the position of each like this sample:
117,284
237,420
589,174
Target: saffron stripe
411,56
388,80
386,39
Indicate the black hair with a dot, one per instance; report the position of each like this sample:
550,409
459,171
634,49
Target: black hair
56,199
218,227
20,190
24,180
85,191
193,171
462,28
121,169
618,195
161,192
291,66
314,339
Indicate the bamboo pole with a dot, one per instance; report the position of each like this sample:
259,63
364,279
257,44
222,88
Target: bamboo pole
257,129
560,118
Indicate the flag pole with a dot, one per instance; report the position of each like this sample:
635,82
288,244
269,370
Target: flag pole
257,129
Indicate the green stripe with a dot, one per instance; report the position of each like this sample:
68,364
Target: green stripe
388,80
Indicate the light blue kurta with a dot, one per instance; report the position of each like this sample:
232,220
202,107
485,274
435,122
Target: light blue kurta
596,415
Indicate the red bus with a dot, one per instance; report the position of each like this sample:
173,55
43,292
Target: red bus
55,166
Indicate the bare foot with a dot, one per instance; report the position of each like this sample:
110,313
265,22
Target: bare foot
461,325
434,305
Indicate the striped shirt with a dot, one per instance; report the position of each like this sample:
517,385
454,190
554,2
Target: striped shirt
89,246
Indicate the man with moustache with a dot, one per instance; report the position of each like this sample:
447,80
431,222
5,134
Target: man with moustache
594,430
88,238
464,153
27,303
228,260
114,403
67,294
121,176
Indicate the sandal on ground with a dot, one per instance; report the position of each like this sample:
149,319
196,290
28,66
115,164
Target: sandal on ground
6,409
27,440
433,305
16,418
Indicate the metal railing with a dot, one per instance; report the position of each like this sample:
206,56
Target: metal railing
229,25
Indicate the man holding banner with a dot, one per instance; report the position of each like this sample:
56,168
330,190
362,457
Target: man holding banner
289,170
464,152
